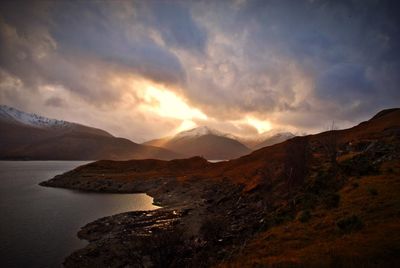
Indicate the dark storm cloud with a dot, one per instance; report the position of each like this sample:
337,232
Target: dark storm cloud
344,82
16,53
96,28
177,26
74,35
348,49
28,52
295,63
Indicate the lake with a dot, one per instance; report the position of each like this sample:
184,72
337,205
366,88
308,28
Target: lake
38,224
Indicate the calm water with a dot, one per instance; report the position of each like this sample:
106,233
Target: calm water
216,161
38,225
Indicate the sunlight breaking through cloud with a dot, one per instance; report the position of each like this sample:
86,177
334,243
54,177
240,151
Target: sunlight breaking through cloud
260,125
165,103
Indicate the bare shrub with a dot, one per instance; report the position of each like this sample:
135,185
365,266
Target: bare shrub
329,143
350,224
296,162
305,216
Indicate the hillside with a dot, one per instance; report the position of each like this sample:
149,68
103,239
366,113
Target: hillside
25,136
203,141
324,200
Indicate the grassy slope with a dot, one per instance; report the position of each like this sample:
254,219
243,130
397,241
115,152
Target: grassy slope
374,198
320,243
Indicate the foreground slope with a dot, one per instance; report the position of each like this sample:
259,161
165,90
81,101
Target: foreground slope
33,137
325,200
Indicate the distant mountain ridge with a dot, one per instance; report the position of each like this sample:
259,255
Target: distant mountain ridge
274,139
268,138
29,136
203,141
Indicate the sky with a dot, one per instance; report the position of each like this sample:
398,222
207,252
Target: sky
148,69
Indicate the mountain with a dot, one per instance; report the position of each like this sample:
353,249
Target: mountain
274,139
265,139
203,141
30,136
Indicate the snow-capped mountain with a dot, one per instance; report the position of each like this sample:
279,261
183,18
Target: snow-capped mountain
203,141
273,139
267,138
201,131
13,115
34,137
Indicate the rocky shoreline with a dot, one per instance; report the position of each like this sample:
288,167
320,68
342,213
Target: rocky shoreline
124,239
198,218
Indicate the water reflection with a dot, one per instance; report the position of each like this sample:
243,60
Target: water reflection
39,224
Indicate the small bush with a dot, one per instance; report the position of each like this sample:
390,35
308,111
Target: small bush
305,216
213,227
280,218
331,200
355,185
372,191
350,224
321,182
358,166
309,201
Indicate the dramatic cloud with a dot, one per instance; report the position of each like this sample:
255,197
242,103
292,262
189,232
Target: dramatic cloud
144,69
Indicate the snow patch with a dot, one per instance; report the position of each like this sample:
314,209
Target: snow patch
204,130
11,114
200,131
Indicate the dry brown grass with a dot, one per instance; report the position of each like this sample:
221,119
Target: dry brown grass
320,243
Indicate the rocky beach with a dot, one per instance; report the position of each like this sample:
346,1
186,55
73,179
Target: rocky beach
197,217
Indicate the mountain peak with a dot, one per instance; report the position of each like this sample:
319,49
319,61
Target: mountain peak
8,113
199,131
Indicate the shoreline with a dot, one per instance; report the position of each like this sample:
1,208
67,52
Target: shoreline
195,218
